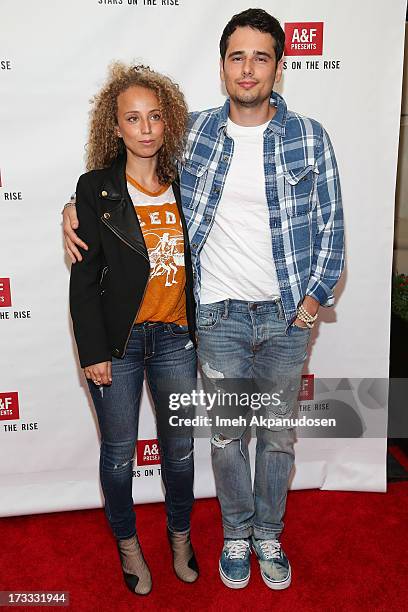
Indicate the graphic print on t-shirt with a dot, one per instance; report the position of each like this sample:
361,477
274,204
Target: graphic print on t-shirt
167,256
160,223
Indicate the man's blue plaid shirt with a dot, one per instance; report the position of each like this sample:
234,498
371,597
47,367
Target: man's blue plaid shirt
303,194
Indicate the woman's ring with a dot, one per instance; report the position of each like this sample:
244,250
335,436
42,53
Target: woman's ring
97,382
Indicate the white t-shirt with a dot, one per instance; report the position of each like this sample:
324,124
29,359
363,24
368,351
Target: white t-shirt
236,259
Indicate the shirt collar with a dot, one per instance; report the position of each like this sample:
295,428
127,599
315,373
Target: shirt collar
277,124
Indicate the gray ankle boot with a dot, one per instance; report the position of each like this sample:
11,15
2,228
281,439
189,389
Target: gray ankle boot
135,571
184,561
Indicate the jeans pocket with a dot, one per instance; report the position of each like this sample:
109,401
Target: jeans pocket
207,318
177,330
297,328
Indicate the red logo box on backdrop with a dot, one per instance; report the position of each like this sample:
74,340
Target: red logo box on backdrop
148,452
5,293
306,392
9,408
304,38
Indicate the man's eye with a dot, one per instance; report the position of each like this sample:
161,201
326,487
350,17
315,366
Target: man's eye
261,59
236,59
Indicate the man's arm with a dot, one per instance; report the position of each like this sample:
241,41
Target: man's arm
328,248
70,223
311,306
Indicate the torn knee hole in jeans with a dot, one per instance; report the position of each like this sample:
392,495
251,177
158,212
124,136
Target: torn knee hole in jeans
220,441
211,372
175,459
187,456
124,464
282,410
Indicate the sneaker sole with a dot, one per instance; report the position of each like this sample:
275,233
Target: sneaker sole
233,584
277,586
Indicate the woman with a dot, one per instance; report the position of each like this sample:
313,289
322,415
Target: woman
131,298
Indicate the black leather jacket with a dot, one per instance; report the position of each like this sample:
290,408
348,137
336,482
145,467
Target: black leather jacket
107,287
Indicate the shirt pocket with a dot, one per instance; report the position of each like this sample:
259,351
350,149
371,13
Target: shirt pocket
300,190
194,181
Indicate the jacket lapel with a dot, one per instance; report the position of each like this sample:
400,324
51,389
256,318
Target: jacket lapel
118,212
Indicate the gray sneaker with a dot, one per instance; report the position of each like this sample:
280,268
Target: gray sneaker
274,564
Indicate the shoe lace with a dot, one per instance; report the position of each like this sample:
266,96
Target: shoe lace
237,549
270,548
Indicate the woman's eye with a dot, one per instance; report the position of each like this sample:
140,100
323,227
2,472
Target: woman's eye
156,117
132,119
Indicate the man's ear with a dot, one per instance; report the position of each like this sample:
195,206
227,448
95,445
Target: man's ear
279,70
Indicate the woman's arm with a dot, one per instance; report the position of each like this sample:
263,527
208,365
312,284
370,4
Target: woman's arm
84,292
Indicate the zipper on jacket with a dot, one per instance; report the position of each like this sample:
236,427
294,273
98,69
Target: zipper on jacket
135,317
139,251
103,274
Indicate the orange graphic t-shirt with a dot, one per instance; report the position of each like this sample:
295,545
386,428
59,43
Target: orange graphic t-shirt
164,299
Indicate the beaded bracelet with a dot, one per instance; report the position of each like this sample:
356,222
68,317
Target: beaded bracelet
67,205
306,317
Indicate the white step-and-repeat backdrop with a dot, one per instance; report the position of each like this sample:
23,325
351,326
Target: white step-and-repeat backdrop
343,67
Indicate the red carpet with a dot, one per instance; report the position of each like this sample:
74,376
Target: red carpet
348,552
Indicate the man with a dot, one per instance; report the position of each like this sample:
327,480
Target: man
261,198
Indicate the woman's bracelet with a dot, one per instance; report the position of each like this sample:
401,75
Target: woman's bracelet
72,202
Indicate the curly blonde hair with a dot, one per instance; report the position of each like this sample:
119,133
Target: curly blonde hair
104,145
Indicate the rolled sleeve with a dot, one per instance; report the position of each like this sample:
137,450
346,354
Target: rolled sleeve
328,246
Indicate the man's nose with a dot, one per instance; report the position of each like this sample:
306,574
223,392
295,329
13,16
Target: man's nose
247,67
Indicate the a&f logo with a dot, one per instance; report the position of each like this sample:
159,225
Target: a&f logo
9,409
148,452
5,293
304,38
306,392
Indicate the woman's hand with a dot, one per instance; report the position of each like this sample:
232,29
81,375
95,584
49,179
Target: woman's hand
99,373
